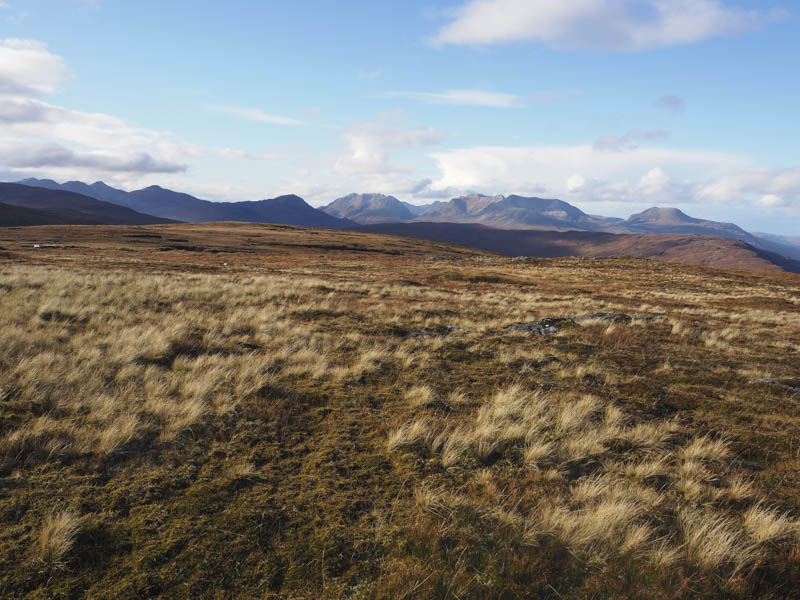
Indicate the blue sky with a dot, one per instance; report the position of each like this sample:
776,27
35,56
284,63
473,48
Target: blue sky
612,105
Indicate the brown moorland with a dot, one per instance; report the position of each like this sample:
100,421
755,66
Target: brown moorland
703,250
256,411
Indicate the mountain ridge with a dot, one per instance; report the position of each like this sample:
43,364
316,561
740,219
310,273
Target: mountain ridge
43,206
162,202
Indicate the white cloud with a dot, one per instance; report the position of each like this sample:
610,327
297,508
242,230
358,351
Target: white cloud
28,68
639,176
575,183
368,144
257,115
36,136
463,98
27,117
772,187
771,201
598,24
629,141
26,156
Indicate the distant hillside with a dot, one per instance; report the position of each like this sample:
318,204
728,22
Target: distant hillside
155,200
707,251
369,208
792,241
518,212
40,206
672,220
19,216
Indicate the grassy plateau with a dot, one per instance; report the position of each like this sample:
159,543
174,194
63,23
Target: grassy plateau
259,411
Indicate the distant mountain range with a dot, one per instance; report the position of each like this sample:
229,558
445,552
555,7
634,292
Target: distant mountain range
26,205
520,212
164,203
155,204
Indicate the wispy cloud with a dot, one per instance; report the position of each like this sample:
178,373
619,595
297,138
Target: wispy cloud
673,104
368,144
629,141
463,98
257,115
32,155
370,74
13,15
598,24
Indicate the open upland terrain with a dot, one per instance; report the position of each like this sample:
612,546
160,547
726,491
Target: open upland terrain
233,410
704,250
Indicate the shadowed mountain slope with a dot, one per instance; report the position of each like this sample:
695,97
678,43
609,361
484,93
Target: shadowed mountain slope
155,200
18,216
56,207
708,251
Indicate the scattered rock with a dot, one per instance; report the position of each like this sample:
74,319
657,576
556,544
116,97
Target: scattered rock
552,325
442,331
602,316
773,381
647,318
547,326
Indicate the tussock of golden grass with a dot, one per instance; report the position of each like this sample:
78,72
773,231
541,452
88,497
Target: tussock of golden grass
712,541
243,470
739,489
705,448
421,395
410,435
768,525
612,511
56,537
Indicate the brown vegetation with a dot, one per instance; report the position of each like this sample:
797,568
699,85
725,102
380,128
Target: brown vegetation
279,412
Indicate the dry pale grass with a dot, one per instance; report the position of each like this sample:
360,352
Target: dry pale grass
314,420
57,537
639,472
765,524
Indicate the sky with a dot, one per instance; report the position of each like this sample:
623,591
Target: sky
611,105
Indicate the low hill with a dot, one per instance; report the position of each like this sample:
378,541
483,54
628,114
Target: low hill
673,220
708,251
155,200
64,207
369,208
